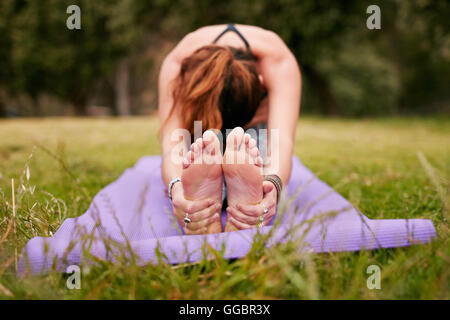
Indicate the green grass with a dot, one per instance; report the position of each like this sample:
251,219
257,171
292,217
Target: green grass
388,168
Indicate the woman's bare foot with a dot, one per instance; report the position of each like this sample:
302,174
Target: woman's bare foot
242,167
202,173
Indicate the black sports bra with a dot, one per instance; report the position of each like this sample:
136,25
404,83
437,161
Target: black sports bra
231,27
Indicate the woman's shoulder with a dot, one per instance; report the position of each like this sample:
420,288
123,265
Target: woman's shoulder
263,42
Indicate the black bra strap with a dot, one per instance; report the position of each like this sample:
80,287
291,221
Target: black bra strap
231,27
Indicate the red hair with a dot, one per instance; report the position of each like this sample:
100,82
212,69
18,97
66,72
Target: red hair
218,85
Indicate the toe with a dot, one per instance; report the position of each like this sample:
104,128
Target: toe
190,156
186,161
247,139
234,139
251,143
258,161
209,136
211,143
254,152
197,152
254,157
199,143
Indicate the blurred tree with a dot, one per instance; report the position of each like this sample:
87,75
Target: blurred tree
48,57
347,69
5,49
423,44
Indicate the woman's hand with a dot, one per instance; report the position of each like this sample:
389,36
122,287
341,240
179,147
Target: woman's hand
248,216
201,212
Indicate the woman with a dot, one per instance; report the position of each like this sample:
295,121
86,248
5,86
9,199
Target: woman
228,76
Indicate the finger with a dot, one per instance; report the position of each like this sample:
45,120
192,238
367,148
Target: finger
193,226
271,205
254,210
239,224
268,186
241,217
205,213
269,201
251,220
195,206
270,197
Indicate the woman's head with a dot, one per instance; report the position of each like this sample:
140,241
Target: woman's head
218,85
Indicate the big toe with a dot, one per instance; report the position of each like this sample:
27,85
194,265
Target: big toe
235,139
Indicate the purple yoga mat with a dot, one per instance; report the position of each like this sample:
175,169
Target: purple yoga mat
134,213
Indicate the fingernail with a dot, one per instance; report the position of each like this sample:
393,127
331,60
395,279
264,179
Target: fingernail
218,206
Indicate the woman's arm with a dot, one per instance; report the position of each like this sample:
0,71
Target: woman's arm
170,69
170,167
282,79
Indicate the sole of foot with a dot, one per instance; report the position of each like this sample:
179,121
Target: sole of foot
242,168
202,173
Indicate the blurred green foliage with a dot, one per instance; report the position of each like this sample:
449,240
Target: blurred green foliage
347,68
